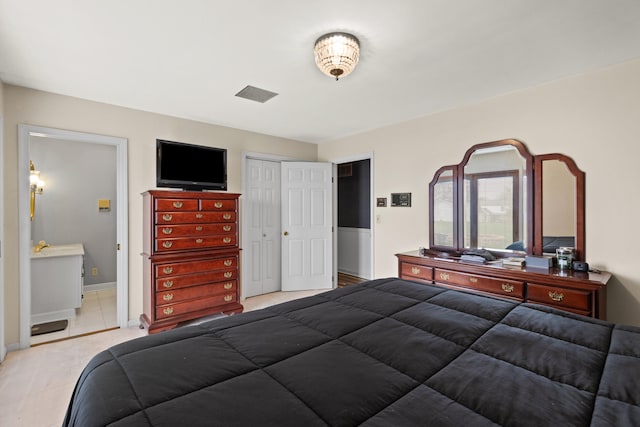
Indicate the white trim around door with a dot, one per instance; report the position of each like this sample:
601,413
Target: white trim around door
122,257
365,156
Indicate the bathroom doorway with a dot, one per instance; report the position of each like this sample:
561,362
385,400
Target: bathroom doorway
81,207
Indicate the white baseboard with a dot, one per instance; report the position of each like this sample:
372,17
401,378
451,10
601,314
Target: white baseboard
99,286
13,347
133,322
52,316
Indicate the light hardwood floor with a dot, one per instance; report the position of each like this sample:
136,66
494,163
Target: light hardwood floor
36,383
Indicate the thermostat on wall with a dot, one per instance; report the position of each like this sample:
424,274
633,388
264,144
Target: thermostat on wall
401,199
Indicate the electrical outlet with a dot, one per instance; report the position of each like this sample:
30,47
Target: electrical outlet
94,271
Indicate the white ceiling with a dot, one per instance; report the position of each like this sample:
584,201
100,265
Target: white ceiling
188,58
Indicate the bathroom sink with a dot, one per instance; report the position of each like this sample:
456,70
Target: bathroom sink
59,250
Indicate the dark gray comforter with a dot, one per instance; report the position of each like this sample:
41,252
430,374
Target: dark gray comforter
385,353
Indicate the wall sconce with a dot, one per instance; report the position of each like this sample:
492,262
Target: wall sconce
36,186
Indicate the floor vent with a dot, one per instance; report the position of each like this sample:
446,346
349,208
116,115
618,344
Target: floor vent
256,94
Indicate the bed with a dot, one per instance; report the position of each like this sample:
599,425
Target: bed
387,352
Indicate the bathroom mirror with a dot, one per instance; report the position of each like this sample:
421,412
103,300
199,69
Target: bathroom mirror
560,205
504,199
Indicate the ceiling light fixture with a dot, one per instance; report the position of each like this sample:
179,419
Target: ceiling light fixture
337,54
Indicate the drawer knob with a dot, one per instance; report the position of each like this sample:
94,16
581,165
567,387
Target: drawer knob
167,270
415,270
473,279
167,217
226,228
199,216
228,274
444,276
199,228
228,262
167,245
556,296
168,284
177,205
508,287
226,216
218,205
228,298
167,230
226,240
198,241
168,310
228,285
167,297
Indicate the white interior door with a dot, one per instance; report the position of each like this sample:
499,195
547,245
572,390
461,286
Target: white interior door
307,226
263,249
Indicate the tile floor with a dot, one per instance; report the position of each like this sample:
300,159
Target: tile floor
98,312
36,383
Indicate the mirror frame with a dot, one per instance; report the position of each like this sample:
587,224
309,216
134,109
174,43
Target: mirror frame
527,214
532,215
580,250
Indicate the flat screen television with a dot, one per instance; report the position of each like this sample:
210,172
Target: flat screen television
190,167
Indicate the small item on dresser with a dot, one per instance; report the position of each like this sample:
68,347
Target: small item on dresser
565,257
473,258
534,261
513,262
580,266
485,254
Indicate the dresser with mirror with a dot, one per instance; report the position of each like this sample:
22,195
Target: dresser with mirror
513,204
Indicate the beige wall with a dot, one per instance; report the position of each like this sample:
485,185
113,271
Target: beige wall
592,118
27,106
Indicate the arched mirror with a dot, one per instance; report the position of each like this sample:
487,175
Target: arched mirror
497,196
559,205
504,199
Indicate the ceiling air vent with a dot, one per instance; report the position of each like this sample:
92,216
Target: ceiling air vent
256,94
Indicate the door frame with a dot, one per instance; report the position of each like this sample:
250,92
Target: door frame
122,232
354,158
245,214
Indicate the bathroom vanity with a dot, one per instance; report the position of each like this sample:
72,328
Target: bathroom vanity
57,277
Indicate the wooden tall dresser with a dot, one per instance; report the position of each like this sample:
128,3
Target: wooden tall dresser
191,257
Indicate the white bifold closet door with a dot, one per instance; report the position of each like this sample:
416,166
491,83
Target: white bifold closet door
263,251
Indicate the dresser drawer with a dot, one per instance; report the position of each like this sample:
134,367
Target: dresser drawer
191,292
194,230
218,205
416,271
182,243
176,205
194,217
559,297
503,287
165,284
190,267
189,306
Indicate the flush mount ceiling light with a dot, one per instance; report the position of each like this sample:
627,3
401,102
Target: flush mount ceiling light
337,54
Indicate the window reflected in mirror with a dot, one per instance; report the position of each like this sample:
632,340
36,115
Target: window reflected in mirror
491,209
